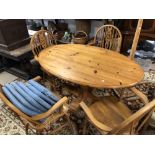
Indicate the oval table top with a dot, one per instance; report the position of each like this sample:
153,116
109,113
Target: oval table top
90,66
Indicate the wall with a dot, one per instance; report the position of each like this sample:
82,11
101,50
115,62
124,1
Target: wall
72,25
94,25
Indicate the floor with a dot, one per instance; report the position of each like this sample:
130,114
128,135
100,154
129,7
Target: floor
6,77
9,124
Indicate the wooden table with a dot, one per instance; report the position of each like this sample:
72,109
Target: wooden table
90,66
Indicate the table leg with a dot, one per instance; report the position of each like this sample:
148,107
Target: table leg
77,113
87,97
85,93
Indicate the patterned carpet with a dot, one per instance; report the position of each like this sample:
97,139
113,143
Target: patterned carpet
9,123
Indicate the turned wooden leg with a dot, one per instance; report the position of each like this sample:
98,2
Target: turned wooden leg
87,97
145,126
85,93
84,126
27,129
72,125
121,95
53,88
43,76
38,132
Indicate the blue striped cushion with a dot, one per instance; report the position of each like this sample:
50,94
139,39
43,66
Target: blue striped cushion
31,98
28,97
20,106
43,90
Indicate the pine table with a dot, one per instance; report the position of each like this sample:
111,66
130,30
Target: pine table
90,66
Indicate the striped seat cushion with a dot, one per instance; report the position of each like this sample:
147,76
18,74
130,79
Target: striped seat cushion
31,97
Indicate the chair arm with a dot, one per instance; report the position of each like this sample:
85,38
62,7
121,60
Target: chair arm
51,110
92,118
142,96
37,78
140,113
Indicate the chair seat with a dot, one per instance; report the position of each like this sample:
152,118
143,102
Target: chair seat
110,111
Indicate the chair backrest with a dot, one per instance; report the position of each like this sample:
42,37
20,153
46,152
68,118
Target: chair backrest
109,37
135,122
41,40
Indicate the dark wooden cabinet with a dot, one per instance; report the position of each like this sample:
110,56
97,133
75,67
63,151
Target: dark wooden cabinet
13,34
15,52
128,31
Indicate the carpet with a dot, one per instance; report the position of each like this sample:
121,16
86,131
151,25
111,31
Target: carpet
9,122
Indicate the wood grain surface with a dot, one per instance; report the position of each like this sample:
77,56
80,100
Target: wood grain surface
90,66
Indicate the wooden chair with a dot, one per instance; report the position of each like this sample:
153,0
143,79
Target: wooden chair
58,111
41,40
109,37
111,116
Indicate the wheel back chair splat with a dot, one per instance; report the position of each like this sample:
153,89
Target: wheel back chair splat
41,40
112,116
109,37
55,113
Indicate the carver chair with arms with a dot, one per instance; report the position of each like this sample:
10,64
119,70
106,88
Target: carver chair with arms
110,115
42,123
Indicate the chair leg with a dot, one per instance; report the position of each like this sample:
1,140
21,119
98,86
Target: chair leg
43,76
145,126
27,129
53,88
38,132
84,126
72,125
120,96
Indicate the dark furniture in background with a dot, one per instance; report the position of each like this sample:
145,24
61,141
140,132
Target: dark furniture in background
15,52
83,25
13,34
128,29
